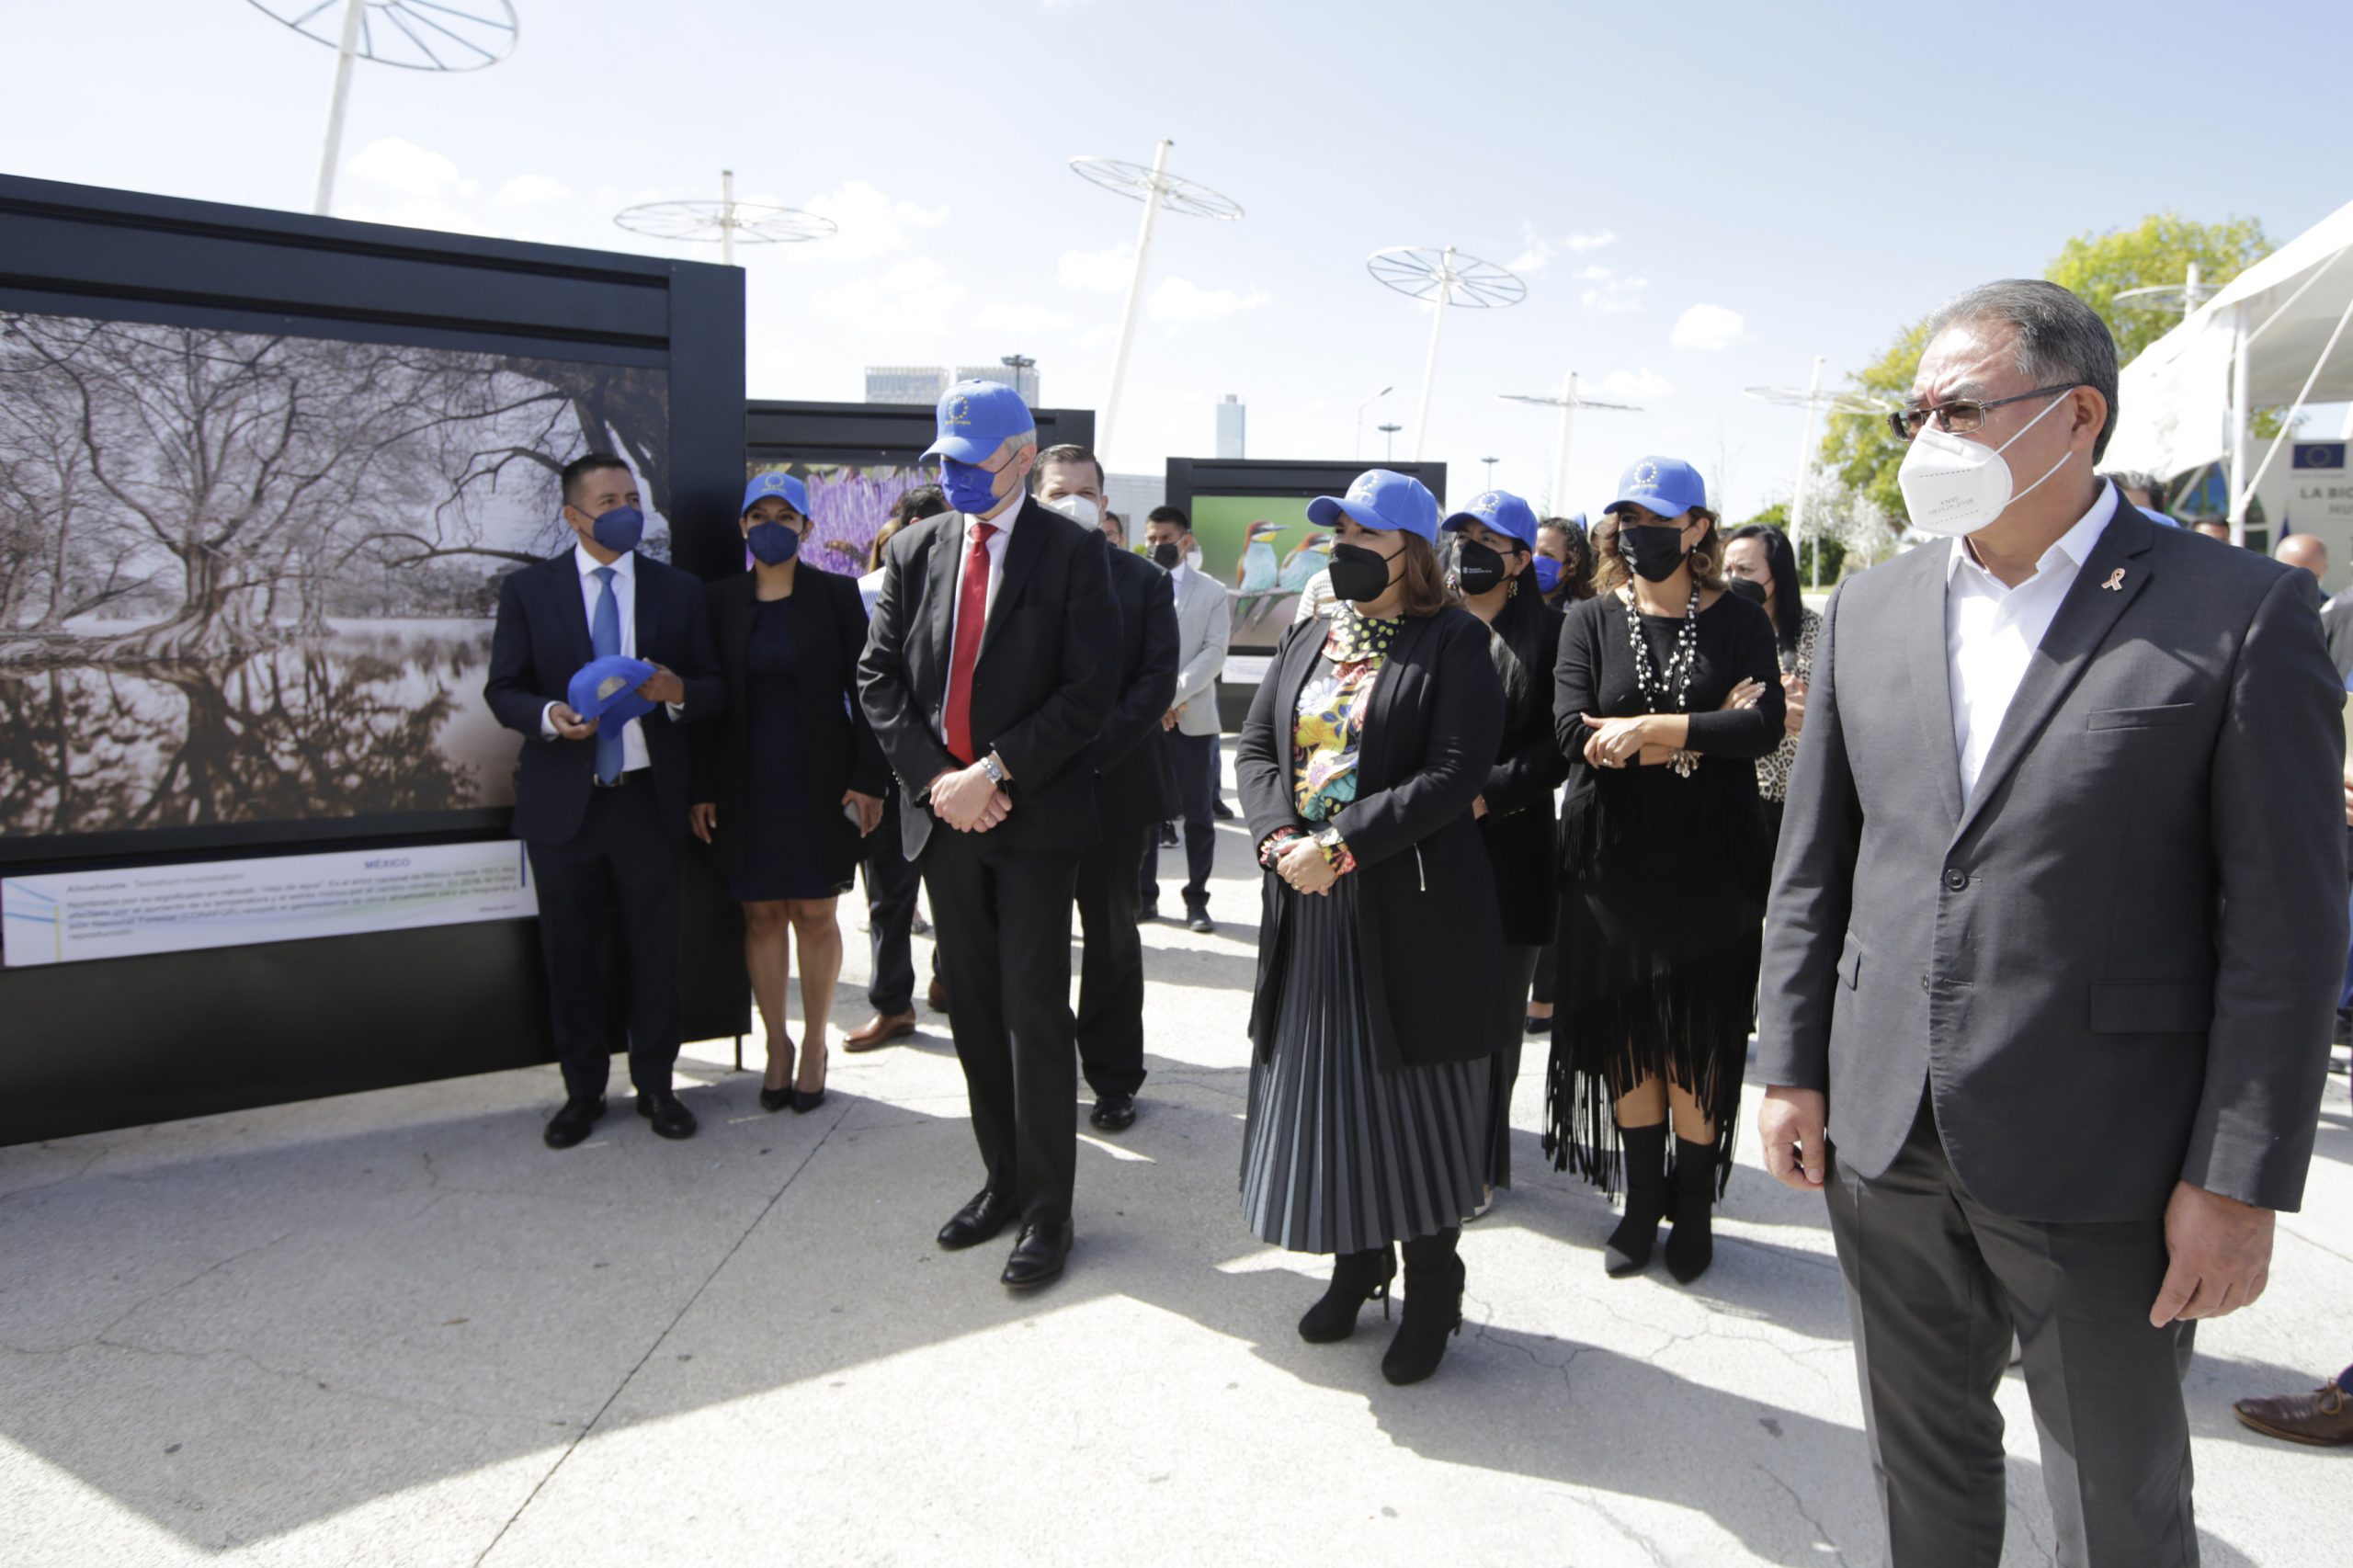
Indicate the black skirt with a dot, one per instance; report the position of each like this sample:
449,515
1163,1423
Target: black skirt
1339,1157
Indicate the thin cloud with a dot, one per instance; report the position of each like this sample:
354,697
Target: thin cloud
1021,319
1178,300
914,298
1644,385
1707,328
872,223
532,190
1609,293
1535,252
402,166
1581,242
1099,271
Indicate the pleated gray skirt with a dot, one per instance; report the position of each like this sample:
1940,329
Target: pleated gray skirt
1339,1157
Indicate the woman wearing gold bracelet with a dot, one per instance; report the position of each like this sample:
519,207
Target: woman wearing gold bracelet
1381,992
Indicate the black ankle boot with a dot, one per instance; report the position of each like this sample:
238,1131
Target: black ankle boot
1691,1246
1356,1278
1434,1277
1630,1244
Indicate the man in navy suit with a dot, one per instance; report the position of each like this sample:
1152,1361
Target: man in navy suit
603,809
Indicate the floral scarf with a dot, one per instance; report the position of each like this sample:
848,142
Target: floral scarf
1331,707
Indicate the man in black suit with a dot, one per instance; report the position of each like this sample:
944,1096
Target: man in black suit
990,666
603,807
2055,933
1135,788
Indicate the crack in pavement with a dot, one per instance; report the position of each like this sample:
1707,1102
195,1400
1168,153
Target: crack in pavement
1820,1535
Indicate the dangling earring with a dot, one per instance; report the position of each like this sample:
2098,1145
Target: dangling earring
1511,589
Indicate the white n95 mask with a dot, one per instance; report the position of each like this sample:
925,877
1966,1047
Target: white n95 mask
1079,509
1953,487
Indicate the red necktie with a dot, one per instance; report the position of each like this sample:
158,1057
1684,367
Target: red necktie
972,619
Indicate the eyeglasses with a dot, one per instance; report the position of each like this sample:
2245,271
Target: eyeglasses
1962,414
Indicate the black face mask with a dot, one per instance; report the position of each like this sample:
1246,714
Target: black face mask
1654,550
1166,554
1752,591
1357,574
1477,568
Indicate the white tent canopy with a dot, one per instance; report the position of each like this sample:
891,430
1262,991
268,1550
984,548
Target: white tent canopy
2276,336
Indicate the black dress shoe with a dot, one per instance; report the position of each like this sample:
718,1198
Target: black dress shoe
1219,809
1536,1026
668,1112
1146,914
1113,1112
1168,839
1037,1258
571,1124
980,1219
1199,919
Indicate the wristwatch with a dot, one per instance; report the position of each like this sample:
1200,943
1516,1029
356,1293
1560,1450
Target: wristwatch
995,769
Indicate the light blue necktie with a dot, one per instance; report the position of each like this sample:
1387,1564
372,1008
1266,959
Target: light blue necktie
605,637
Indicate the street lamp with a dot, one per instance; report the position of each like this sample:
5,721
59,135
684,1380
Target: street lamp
1360,408
1389,452
1491,464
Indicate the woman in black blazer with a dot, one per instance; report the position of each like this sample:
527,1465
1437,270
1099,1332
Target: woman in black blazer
1494,549
790,782
1380,995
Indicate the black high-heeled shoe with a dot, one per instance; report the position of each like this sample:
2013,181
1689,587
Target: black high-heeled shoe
1356,1278
806,1100
774,1100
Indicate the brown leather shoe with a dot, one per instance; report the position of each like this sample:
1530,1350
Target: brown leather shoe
937,997
2322,1418
880,1031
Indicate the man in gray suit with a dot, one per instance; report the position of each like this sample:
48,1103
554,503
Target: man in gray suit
2054,936
1204,624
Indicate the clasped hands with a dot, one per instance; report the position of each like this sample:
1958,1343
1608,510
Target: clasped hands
1302,864
1614,743
967,800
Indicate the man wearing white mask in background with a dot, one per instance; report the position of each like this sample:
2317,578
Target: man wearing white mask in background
2055,940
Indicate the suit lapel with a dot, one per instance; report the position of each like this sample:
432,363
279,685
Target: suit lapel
939,592
2086,617
1292,678
571,605
1931,671
1022,548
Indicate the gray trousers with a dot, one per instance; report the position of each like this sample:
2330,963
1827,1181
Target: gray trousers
1935,1286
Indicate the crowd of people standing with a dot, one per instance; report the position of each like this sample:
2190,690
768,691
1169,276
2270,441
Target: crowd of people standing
2049,926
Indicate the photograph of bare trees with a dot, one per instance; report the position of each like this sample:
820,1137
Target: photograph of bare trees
249,577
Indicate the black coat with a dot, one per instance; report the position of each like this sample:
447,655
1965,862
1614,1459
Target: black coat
541,642
1135,777
836,746
1048,674
1530,766
1430,930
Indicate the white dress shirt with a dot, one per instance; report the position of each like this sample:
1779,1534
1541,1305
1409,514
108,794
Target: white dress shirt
1177,579
1992,631
633,753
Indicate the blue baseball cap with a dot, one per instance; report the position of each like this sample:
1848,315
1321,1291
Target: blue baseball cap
1500,510
793,490
607,688
977,417
1382,500
1667,486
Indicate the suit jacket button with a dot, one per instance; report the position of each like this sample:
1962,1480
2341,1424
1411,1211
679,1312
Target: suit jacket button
1955,878
1924,983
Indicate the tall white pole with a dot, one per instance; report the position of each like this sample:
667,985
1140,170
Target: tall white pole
2239,432
333,154
2190,291
1135,301
1429,365
1805,467
727,217
1561,452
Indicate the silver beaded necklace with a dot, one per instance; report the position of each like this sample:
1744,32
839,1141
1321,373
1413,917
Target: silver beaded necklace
1656,684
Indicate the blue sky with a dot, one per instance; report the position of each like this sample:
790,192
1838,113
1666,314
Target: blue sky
1776,180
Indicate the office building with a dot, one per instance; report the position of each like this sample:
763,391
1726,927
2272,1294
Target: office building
1230,419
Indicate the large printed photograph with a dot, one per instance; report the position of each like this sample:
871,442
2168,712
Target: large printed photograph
848,504
250,578
1264,551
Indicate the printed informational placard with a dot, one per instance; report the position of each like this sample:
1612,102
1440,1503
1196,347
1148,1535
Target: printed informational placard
1246,669
70,917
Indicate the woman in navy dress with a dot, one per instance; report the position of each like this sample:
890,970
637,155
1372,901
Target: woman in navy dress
790,782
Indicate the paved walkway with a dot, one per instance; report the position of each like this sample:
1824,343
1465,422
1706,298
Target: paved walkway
394,1329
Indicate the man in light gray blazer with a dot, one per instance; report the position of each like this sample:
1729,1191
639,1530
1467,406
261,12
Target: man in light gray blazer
1204,624
2054,939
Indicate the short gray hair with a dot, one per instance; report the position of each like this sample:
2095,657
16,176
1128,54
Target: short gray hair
2059,338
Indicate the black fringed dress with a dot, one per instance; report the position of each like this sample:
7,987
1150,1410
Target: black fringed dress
1663,876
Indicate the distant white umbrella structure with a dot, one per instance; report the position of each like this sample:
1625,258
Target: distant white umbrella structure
1568,400
1444,276
2186,296
1157,188
415,35
1813,400
727,221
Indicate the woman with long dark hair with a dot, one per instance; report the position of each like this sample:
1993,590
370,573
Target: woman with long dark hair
1495,551
1762,555
1564,571
1380,995
1664,861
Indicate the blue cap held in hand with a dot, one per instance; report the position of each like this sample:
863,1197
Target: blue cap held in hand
977,417
776,482
1500,510
606,688
1384,501
1667,487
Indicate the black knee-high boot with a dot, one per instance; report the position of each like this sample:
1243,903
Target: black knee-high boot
1434,1277
1630,1244
1356,1278
1691,1244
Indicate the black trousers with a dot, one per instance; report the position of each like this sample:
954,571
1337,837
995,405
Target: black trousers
621,855
1195,758
1004,918
892,881
1110,975
1934,1285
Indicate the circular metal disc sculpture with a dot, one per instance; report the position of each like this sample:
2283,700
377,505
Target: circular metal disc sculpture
1449,278
1568,400
1814,401
727,221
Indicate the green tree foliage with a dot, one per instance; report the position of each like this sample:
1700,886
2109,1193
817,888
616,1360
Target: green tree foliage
1863,453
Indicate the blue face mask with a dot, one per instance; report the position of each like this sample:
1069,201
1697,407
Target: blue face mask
619,529
773,542
1547,573
971,488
